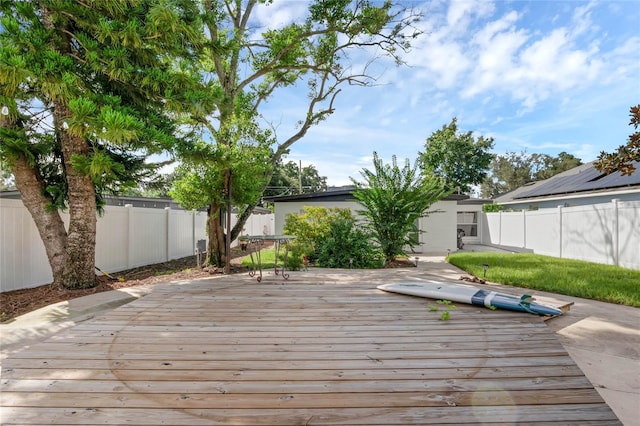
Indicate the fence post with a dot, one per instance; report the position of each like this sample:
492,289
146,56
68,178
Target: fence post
560,233
500,227
615,240
194,214
524,229
130,239
168,227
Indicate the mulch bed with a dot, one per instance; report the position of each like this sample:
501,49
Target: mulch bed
19,302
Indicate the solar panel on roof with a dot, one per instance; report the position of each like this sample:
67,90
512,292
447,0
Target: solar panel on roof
586,180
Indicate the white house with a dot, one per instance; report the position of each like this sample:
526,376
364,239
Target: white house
438,228
471,220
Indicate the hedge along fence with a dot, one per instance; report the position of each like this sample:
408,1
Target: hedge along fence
127,237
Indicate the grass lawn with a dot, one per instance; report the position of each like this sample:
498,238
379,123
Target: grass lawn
563,276
267,256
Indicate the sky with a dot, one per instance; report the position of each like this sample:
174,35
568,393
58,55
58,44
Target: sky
537,76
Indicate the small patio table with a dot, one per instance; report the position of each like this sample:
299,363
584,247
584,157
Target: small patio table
254,245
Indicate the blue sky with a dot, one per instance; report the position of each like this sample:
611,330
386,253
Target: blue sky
540,76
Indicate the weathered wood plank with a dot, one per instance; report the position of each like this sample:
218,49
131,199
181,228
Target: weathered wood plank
335,364
239,339
190,400
124,351
270,375
121,345
296,353
299,386
523,414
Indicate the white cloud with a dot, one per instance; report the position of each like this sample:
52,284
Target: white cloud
280,13
582,21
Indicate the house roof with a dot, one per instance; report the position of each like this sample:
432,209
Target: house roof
584,179
340,194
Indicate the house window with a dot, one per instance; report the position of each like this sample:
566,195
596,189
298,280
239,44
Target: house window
468,222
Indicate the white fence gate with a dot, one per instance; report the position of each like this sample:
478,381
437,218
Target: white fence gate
126,237
603,233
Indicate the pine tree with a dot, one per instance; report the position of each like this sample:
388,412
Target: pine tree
85,88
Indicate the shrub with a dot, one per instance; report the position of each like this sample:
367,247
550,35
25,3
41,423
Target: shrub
312,225
295,257
347,245
489,208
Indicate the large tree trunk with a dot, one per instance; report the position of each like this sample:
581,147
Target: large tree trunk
49,223
216,249
79,271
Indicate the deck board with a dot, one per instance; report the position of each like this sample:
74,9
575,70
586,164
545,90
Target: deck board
232,351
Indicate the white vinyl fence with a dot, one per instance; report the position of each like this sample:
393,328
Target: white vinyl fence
127,237
603,233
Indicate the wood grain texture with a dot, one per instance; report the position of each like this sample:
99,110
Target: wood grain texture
230,351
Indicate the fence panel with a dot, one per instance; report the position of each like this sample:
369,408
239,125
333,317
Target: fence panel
629,234
126,237
543,232
492,228
112,247
588,233
23,258
512,229
182,236
606,233
147,236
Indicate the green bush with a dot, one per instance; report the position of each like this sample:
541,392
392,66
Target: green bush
489,208
312,225
295,257
347,245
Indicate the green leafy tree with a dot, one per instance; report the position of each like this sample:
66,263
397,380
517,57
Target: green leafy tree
288,178
245,67
85,88
459,158
623,160
513,170
551,166
394,198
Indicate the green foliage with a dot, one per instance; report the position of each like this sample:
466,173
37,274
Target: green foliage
394,199
448,306
551,166
6,178
577,278
99,73
492,208
459,158
287,179
197,183
623,159
89,91
313,225
244,67
347,245
513,170
295,256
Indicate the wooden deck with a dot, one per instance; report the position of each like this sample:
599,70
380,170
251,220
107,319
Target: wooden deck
231,351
